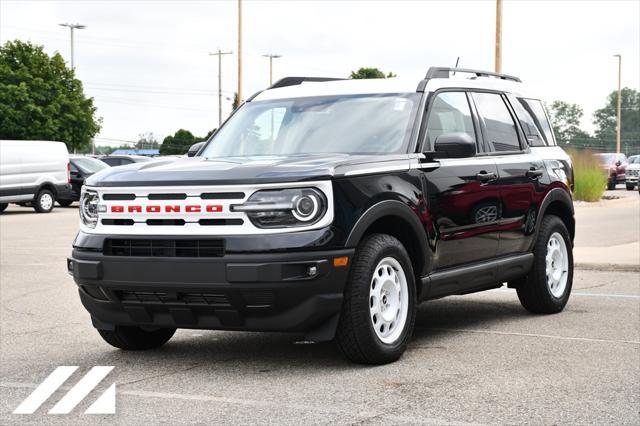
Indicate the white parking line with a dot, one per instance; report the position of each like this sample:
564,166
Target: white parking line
546,336
578,293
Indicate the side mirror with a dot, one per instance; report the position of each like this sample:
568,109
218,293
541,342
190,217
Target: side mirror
454,145
193,149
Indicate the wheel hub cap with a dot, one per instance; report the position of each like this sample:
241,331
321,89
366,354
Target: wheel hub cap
388,300
557,265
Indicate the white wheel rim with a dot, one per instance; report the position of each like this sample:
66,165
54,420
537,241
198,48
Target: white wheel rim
557,265
46,201
388,300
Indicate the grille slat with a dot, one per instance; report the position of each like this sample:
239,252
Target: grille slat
164,247
146,297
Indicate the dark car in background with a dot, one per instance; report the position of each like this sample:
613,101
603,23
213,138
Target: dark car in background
81,167
123,160
614,165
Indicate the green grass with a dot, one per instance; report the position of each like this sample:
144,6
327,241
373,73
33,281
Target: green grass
590,178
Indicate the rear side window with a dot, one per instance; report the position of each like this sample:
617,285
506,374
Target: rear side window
528,124
536,110
501,129
450,113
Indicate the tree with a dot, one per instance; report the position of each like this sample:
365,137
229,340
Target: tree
147,141
370,73
565,118
605,119
40,98
177,144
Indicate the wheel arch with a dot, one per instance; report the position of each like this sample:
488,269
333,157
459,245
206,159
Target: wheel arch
46,185
398,220
558,203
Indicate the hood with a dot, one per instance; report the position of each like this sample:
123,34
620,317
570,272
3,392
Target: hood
236,170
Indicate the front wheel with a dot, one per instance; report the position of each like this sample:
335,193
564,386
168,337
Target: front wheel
132,338
547,288
611,184
630,186
379,306
43,203
3,207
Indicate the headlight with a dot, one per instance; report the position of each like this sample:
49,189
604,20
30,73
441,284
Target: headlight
89,208
284,208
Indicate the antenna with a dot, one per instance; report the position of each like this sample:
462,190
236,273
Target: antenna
457,62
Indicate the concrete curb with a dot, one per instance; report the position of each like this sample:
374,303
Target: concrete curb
607,267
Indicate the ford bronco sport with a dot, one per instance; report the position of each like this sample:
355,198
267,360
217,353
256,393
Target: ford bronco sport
330,209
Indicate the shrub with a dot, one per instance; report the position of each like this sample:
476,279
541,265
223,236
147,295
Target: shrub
590,179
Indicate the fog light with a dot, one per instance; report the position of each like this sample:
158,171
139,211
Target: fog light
312,270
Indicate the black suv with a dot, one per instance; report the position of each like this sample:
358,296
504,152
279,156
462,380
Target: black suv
331,208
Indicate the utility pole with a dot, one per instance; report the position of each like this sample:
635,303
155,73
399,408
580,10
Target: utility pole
498,36
618,114
73,27
219,54
271,57
239,52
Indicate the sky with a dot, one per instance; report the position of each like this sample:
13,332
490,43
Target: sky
147,63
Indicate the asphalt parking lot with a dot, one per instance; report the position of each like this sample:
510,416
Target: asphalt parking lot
474,359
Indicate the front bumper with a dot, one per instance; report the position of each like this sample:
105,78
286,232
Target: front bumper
295,292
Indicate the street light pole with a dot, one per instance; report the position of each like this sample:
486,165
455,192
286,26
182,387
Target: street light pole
498,64
73,27
618,114
239,52
219,54
271,57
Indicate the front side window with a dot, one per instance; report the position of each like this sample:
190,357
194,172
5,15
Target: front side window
352,124
449,113
501,129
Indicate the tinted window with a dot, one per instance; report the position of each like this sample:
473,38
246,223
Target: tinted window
88,164
124,161
536,110
450,113
112,161
501,129
528,124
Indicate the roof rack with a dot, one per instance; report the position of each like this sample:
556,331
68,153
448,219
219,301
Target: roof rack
294,81
445,72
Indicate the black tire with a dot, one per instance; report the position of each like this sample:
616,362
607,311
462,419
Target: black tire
355,334
65,203
3,207
611,183
132,338
533,291
630,186
44,201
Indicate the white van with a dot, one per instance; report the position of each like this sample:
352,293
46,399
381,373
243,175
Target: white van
33,173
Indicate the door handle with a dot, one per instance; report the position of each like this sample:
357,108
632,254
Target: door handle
485,177
534,173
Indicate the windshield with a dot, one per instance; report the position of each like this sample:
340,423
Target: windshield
634,159
611,158
353,124
89,165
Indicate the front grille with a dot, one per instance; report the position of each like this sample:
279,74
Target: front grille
164,247
633,172
146,297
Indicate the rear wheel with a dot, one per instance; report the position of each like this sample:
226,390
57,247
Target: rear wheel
379,306
630,187
134,338
65,203
3,207
547,288
611,184
43,202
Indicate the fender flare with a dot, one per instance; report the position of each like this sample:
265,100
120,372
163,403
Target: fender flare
556,194
385,209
